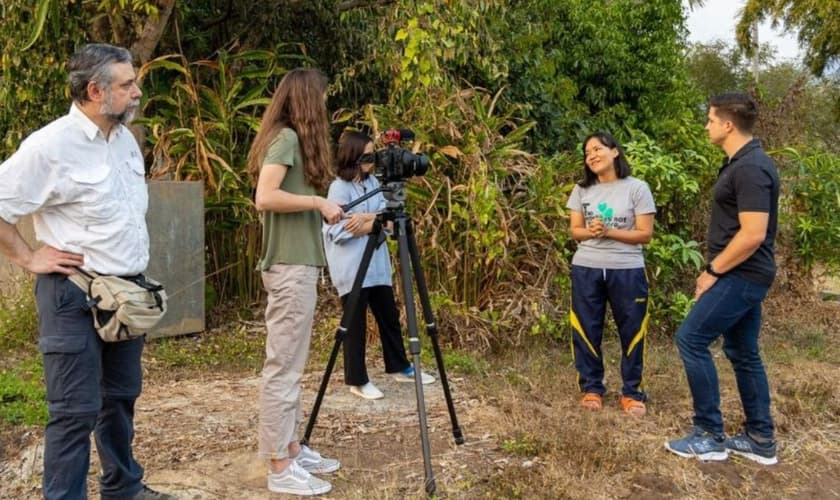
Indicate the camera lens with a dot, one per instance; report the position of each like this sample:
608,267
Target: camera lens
414,164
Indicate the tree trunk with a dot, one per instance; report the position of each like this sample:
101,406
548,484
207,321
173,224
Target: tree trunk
143,49
145,46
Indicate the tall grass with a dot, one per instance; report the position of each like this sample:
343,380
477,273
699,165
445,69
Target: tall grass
489,216
201,126
21,375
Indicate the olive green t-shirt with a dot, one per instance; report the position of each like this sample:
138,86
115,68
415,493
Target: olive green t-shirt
291,238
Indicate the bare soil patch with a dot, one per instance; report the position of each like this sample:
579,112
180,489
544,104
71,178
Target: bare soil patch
197,438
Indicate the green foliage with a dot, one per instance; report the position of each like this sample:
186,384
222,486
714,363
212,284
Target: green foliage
18,318
462,362
22,394
239,347
522,445
674,256
668,253
484,83
783,89
440,35
821,117
811,205
201,130
675,311
429,43
814,20
718,67
583,65
671,262
674,179
33,82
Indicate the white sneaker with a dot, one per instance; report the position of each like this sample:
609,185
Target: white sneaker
367,391
407,375
295,480
314,463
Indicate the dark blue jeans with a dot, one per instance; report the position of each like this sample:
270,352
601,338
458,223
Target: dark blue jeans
732,308
91,387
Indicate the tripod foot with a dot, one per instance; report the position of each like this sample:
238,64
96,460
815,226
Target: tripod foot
459,438
430,487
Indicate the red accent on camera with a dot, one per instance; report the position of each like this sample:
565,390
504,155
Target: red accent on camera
391,136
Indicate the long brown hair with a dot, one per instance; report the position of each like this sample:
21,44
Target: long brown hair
298,103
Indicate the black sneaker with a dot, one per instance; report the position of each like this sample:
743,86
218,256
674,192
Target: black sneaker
149,494
744,445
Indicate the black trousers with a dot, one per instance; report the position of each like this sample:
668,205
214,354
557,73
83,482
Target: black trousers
384,309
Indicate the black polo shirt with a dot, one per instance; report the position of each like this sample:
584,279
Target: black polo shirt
747,182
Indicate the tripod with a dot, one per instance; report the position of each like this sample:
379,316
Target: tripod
394,193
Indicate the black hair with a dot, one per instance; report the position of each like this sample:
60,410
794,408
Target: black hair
622,168
737,107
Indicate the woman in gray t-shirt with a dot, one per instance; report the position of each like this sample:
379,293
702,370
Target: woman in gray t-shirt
611,217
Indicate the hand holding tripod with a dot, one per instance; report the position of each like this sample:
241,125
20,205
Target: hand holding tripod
409,259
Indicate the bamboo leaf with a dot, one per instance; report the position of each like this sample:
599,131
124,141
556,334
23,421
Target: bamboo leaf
40,19
451,151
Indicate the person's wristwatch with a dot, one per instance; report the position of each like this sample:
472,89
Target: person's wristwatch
712,271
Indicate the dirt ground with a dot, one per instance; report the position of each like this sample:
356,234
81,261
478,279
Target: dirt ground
196,438
526,436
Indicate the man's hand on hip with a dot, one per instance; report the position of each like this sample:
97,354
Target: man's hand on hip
51,260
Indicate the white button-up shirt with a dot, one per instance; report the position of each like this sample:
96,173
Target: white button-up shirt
87,194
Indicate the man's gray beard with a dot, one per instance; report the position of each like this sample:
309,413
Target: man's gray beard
125,117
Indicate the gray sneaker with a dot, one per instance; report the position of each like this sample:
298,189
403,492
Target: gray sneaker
744,445
700,444
149,494
296,481
314,463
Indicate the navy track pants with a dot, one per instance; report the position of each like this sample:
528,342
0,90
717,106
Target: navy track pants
626,291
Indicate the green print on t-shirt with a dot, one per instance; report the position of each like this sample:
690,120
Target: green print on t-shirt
607,216
605,212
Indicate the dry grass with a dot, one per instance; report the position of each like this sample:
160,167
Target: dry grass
609,455
526,436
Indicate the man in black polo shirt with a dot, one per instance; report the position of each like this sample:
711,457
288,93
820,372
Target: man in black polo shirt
739,271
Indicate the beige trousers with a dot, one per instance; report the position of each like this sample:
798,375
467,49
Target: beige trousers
292,292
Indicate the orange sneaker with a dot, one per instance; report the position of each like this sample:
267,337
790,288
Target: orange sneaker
632,406
591,401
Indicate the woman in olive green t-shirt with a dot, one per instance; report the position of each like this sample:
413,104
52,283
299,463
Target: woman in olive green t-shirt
290,161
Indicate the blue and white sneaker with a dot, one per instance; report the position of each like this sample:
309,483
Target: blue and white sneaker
743,445
407,375
700,444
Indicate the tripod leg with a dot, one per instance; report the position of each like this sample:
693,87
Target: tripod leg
431,328
414,347
375,238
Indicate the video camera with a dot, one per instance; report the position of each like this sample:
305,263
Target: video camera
395,163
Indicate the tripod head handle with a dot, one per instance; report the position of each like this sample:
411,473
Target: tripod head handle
360,199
